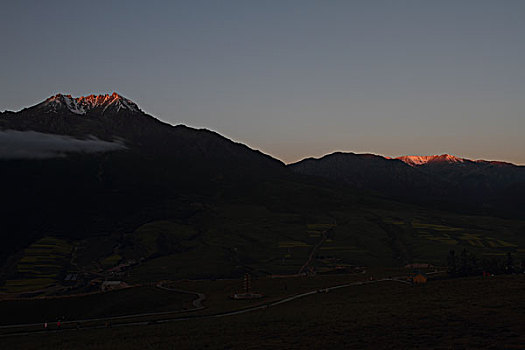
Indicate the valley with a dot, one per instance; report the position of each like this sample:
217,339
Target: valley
118,222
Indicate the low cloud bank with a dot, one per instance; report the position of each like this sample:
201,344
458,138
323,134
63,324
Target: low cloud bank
36,145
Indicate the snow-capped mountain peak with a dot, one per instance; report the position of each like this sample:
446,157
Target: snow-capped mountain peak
84,104
421,160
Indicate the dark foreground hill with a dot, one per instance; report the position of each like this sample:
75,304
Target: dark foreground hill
459,313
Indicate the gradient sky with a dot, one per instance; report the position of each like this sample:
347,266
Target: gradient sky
291,78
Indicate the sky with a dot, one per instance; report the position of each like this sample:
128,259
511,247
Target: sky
294,79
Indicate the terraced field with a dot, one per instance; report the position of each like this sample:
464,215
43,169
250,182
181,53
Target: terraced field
457,236
41,266
430,238
239,238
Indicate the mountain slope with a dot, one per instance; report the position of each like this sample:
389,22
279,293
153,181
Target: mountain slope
189,203
444,181
110,117
368,172
158,173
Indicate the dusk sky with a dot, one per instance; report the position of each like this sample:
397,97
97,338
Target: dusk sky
291,78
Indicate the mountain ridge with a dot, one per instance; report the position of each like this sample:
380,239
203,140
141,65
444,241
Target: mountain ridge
110,117
235,199
153,171
117,104
443,180
417,160
81,105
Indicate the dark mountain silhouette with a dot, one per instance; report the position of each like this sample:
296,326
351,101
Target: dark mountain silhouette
110,117
160,171
99,165
443,181
369,172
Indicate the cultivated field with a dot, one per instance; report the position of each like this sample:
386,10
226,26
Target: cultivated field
42,265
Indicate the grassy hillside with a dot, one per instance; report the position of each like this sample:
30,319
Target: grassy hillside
253,239
279,226
227,241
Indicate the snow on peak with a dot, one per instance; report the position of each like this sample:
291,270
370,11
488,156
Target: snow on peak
421,160
81,105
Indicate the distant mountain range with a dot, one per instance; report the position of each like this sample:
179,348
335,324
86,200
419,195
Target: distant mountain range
114,123
441,180
76,167
443,159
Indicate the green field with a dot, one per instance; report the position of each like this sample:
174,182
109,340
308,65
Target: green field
229,240
261,242
42,265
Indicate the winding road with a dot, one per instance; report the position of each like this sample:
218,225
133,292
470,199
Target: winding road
197,303
198,306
